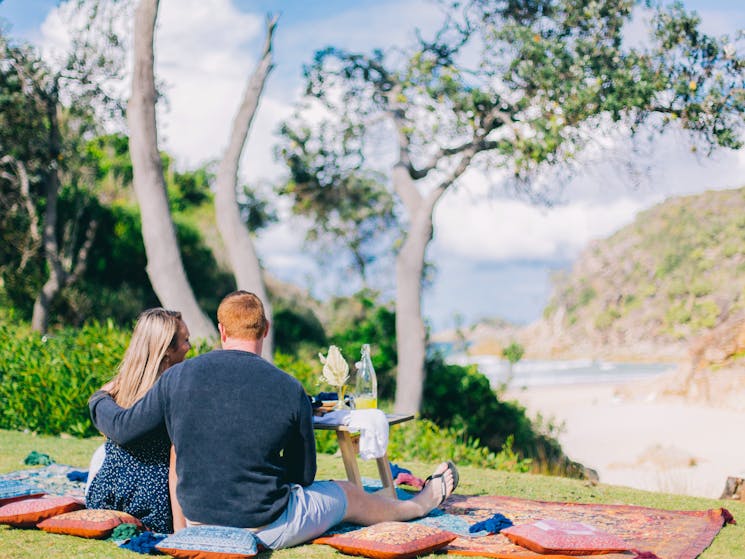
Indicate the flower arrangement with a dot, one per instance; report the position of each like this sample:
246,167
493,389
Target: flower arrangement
335,370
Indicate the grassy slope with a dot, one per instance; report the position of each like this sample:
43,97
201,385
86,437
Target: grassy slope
30,544
664,278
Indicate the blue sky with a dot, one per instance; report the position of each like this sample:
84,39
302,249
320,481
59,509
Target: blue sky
493,256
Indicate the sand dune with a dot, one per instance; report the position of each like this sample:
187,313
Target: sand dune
646,443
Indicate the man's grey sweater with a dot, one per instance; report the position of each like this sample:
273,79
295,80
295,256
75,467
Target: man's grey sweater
242,428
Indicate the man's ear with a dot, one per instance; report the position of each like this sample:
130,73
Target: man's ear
266,330
221,329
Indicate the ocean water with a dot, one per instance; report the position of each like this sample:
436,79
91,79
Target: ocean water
530,372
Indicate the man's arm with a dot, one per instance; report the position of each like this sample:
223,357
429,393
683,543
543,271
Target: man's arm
124,425
300,454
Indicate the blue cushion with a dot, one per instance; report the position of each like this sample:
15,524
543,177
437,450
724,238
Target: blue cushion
12,490
204,541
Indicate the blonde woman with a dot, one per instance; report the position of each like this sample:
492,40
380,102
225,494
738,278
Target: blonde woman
134,478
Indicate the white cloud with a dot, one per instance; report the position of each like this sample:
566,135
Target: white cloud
505,230
479,220
203,55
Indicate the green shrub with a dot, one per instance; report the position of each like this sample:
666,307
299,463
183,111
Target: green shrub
606,318
588,294
294,326
513,352
678,287
45,381
306,368
706,314
631,302
462,399
678,313
422,440
367,322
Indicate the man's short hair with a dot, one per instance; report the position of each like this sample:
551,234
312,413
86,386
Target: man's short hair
241,314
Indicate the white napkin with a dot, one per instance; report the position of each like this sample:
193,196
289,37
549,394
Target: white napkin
372,425
336,417
373,428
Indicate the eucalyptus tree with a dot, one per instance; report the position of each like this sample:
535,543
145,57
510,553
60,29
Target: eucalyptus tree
233,230
47,112
515,86
165,267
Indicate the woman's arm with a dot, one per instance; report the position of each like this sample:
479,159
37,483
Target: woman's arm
179,522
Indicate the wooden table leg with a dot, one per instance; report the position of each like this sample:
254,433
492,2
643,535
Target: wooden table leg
384,470
349,457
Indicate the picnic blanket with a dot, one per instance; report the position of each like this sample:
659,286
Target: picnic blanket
667,534
52,479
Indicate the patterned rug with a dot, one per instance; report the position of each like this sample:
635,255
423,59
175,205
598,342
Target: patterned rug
51,479
667,534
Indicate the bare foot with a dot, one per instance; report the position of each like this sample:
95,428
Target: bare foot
438,487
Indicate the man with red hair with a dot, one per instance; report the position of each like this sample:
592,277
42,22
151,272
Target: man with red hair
243,436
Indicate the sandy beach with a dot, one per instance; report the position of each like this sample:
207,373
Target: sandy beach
646,443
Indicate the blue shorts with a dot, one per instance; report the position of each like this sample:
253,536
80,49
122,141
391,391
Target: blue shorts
309,513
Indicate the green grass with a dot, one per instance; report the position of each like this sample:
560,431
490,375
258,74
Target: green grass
32,544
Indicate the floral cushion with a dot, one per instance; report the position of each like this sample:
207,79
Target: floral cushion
28,512
88,523
210,542
567,538
390,540
13,490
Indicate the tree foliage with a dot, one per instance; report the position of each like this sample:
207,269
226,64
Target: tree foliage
513,352
520,86
47,115
347,203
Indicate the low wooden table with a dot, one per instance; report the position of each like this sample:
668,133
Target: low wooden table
349,445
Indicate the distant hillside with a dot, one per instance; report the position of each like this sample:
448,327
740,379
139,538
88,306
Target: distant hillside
487,337
674,273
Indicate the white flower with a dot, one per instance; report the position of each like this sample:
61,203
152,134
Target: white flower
335,368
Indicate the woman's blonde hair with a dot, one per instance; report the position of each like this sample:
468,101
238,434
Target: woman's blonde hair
145,359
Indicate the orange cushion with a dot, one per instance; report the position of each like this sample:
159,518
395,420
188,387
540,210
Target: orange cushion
567,538
390,540
88,523
29,512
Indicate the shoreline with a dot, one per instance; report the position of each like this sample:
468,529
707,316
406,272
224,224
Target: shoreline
664,445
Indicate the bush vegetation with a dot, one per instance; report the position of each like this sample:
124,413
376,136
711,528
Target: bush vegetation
45,383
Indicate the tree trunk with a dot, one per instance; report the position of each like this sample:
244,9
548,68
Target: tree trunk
40,316
235,235
410,333
164,266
